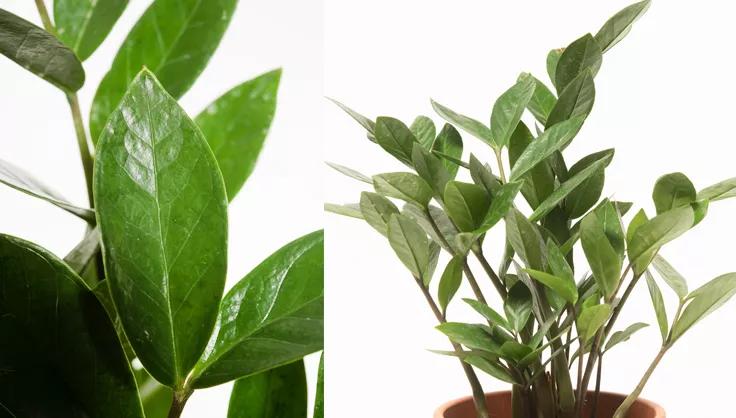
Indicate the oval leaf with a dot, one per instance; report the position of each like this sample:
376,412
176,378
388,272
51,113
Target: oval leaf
466,204
424,131
620,24
673,191
670,276
450,282
449,143
658,303
83,25
508,109
703,301
581,55
723,190
591,319
377,211
563,287
603,259
576,100
405,186
396,138
410,244
276,393
469,125
656,232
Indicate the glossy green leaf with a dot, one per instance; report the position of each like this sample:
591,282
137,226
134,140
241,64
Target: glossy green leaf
162,209
469,125
603,259
620,24
59,352
431,168
539,182
553,58
410,243
585,196
553,139
366,123
450,282
396,138
638,220
703,301
174,39
673,279
623,336
722,190
405,186
514,351
571,184
658,303
610,218
156,398
518,306
558,263
466,204
501,203
272,317
581,55
492,368
377,211
488,313
80,257
276,393
591,319
525,239
482,175
542,102
562,286
319,401
472,336
84,24
653,234
354,174
351,210
236,124
508,109
673,191
430,218
39,52
21,180
576,100
449,143
434,257
424,131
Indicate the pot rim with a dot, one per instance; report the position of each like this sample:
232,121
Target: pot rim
440,412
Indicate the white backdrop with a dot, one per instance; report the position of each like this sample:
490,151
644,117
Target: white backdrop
282,199
664,100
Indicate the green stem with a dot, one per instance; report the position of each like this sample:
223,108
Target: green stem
626,404
41,6
178,402
499,160
497,283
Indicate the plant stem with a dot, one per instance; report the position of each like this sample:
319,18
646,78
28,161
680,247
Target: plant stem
497,283
499,160
41,6
598,377
626,404
178,403
479,397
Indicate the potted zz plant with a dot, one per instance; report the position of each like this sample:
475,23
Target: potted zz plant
548,337
133,320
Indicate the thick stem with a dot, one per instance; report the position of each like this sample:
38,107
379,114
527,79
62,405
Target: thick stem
479,397
499,160
178,403
626,404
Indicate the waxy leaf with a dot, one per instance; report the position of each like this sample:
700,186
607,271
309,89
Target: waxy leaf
162,209
276,393
719,191
410,243
542,102
469,125
518,306
350,172
539,182
472,336
366,123
553,139
466,204
620,24
424,131
59,352
610,218
21,180
603,259
673,191
525,239
272,317
482,175
319,401
450,282
564,287
703,301
576,100
581,55
351,210
508,109
156,398
557,262
405,186
623,336
83,254
673,279
658,303
585,196
428,219
553,58
492,368
236,124
638,220
430,168
84,24
396,138
449,143
39,52
377,211
488,313
591,319
174,39
501,202
653,234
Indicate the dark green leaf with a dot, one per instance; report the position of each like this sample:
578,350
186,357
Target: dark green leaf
276,393
658,303
430,168
80,257
620,24
436,216
424,131
576,100
39,52
396,138
653,234
518,306
673,191
508,109
174,39
610,218
405,186
542,102
623,336
703,301
366,123
162,209
525,239
319,401
492,368
272,317
83,25
591,319
350,172
584,197
472,336
469,125
410,243
638,220
466,204
450,281
351,210
483,176
673,279
514,351
377,211
235,125
557,262
501,203
581,55
156,398
603,259
564,287
553,58
59,352
449,143
719,191
539,182
488,313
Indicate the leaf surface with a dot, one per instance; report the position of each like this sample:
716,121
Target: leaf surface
276,393
84,24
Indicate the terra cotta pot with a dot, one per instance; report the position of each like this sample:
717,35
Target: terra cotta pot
499,406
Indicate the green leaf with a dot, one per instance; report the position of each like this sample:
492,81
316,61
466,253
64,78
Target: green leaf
501,203
236,124
553,58
576,100
174,39
492,368
581,55
722,190
405,186
21,180
276,393
518,306
585,196
610,217
483,176
80,257
431,266
396,138
620,24
551,140
603,259
436,216
156,398
83,24
377,211
591,319
653,234
59,352
539,182
272,317
658,303
466,204
39,52
162,209
424,131
563,287
508,109
542,102
673,191
673,279
366,123
515,351
638,220
557,262
472,336
319,401
350,172
623,336
469,125
351,210
430,168
525,239
488,313
450,282
571,184
410,243
449,143
703,301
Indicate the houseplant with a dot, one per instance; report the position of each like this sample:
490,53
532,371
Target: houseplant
133,320
548,337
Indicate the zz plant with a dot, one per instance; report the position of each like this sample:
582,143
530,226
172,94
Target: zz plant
133,320
551,333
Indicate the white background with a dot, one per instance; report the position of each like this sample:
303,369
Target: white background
664,101
280,202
